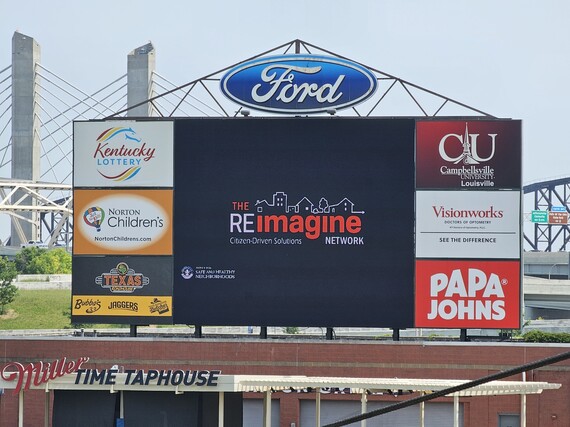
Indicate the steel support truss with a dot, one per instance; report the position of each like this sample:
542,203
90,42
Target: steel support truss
54,213
543,236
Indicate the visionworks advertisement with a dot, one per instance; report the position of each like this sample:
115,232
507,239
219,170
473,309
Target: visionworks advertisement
468,224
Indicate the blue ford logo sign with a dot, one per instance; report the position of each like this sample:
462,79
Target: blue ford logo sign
298,83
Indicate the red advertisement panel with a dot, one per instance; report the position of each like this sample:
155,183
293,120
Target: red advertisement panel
470,155
467,294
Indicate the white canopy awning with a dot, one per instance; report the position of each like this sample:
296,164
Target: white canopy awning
270,383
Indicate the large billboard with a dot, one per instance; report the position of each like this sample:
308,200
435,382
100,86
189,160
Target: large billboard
468,224
123,222
294,222
300,221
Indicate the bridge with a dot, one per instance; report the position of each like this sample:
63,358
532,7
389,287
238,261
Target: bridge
38,107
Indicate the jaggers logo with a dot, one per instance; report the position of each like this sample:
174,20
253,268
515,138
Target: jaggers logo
339,222
122,279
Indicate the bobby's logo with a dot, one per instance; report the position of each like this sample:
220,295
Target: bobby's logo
158,306
117,159
122,279
469,153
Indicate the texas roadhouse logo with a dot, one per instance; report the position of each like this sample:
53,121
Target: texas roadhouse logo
464,151
122,279
258,223
120,154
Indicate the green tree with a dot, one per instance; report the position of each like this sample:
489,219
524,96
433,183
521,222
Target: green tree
25,257
56,261
8,290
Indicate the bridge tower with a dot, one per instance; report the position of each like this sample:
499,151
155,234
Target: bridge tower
140,68
25,131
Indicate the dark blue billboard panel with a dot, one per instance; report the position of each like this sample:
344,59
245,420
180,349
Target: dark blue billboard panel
294,222
122,289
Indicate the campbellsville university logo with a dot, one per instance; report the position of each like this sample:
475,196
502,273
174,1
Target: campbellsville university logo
279,222
463,150
122,279
39,373
468,155
120,154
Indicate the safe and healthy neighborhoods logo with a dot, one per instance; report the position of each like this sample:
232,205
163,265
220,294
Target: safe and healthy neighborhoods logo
469,155
298,83
459,294
207,273
122,279
280,222
120,153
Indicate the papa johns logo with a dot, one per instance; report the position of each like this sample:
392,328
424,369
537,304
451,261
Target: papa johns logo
120,154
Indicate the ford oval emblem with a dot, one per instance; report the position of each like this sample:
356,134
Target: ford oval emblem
298,83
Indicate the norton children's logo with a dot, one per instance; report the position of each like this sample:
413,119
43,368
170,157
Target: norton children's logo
465,151
122,279
121,154
280,222
94,217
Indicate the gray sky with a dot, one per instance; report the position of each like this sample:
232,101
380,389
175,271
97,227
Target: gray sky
509,58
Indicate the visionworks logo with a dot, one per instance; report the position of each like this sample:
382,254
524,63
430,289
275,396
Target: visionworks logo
120,154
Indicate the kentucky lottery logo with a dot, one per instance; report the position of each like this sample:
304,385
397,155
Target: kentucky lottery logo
122,279
120,154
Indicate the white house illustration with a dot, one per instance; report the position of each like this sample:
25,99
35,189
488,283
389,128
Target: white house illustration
304,206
